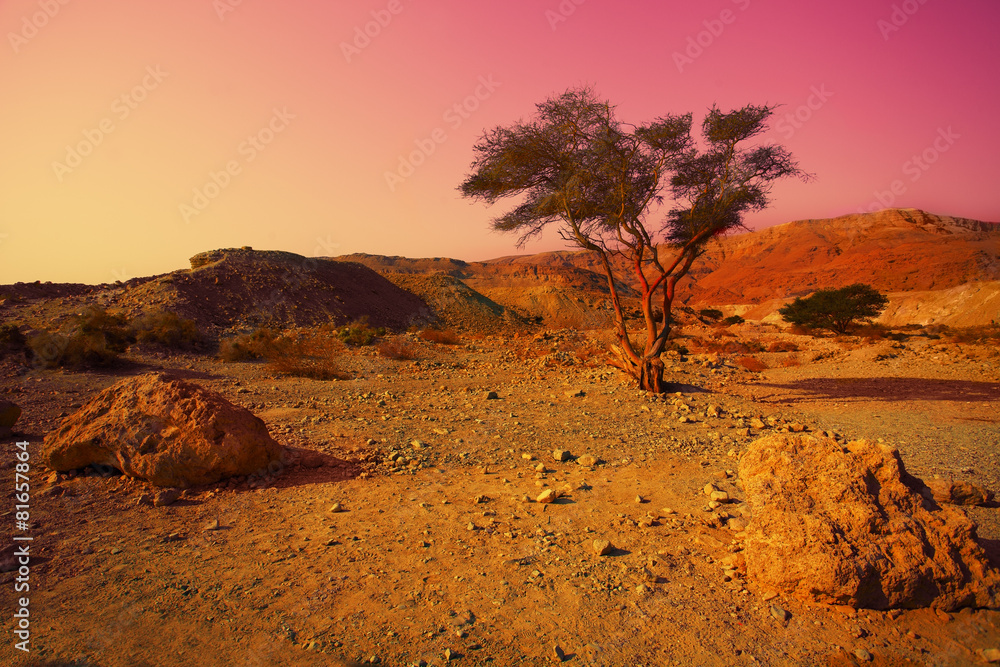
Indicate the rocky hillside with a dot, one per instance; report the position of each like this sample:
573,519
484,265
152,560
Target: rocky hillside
235,288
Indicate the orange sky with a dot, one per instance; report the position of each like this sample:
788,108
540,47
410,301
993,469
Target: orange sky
136,134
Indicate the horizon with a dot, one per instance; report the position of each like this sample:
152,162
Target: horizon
136,137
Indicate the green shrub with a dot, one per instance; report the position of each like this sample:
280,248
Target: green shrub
359,333
733,319
77,350
710,314
838,310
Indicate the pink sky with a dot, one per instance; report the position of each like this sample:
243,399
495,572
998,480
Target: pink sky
300,132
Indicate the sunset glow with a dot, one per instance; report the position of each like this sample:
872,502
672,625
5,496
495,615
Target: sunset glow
134,135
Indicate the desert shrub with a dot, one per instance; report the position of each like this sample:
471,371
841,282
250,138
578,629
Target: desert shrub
91,338
789,362
162,327
752,364
838,310
783,346
988,334
311,356
676,347
872,332
396,348
258,344
97,323
12,341
76,350
710,314
442,336
733,319
359,333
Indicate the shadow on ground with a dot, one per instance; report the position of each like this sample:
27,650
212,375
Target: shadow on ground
881,389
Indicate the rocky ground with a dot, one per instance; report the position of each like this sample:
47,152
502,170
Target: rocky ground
438,550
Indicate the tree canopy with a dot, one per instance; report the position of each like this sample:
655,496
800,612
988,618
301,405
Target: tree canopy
600,180
838,310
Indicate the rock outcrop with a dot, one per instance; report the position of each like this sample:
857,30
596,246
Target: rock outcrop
847,525
168,431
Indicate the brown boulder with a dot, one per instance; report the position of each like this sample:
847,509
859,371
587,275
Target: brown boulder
165,430
957,493
848,526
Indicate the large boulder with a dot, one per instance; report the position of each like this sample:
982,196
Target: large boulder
164,430
847,525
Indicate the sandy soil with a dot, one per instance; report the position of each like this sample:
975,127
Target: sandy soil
441,556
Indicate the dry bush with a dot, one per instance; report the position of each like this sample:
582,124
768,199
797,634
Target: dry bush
987,335
310,356
441,336
752,364
872,332
783,346
398,349
259,344
165,328
791,361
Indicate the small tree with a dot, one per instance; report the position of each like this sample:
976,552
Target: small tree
576,165
838,310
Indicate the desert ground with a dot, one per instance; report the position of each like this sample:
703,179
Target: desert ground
402,526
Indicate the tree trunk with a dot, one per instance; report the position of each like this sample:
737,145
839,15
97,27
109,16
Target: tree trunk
651,376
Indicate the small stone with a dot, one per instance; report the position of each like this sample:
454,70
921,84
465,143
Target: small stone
720,496
574,393
449,655
492,396
115,550
166,497
640,500
603,547
647,522
796,427
335,508
736,525
546,496
710,489
862,655
668,510
540,468
642,589
528,457
780,614
990,655
558,653
144,499
211,525
756,424
587,461
471,526
416,444
561,455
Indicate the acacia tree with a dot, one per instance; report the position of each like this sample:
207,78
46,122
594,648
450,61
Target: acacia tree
600,181
838,310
